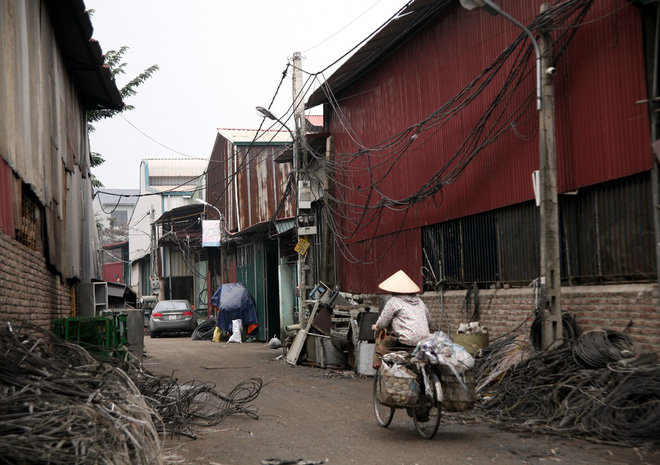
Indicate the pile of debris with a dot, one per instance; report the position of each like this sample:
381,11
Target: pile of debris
332,333
60,404
600,386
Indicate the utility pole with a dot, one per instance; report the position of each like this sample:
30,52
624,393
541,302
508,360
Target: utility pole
549,206
306,228
327,259
550,263
155,282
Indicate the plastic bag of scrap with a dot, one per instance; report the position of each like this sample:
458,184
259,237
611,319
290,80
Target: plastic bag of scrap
237,329
439,349
274,343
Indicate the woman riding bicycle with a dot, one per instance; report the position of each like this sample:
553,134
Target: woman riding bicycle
404,317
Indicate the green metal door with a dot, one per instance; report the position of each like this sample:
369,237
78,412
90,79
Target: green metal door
250,272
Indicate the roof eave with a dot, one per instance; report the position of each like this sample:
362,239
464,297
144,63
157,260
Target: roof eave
83,56
391,36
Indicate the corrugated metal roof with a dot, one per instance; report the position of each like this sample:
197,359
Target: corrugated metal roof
183,167
252,136
283,226
173,174
246,183
382,44
315,120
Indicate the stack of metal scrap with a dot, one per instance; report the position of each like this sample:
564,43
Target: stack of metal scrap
60,405
601,386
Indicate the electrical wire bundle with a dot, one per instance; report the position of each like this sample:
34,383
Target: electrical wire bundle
60,405
569,327
362,193
204,330
604,389
185,407
181,408
595,349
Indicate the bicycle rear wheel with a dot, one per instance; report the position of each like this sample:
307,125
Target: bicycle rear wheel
384,414
427,416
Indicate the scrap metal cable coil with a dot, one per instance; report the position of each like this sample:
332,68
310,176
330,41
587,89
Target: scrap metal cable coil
570,329
600,386
60,404
595,349
204,330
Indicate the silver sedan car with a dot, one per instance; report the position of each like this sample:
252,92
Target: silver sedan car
172,316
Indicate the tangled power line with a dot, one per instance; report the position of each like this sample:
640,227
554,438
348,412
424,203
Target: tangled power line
362,178
355,208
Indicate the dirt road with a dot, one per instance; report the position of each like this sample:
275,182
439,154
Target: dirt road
320,415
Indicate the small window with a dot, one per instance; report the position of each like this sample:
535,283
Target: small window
119,219
30,233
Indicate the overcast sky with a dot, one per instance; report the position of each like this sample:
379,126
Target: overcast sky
218,60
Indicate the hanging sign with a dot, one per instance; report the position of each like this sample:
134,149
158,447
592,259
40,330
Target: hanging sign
211,233
302,246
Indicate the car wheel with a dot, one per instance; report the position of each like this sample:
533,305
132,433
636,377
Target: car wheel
153,334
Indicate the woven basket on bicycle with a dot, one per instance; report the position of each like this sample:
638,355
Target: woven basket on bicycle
399,386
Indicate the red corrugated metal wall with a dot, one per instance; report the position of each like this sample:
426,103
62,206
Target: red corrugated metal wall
601,133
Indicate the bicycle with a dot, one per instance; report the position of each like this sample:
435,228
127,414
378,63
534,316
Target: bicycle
424,402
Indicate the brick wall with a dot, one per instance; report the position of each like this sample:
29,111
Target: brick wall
28,290
594,307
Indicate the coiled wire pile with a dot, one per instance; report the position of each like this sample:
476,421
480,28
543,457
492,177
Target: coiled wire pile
61,405
599,386
183,408
204,330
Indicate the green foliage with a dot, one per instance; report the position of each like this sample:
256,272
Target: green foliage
114,61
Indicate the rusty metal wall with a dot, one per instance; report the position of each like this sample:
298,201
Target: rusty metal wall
364,264
43,136
601,133
246,184
219,188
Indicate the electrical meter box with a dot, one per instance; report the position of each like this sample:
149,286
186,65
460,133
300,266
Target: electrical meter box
304,195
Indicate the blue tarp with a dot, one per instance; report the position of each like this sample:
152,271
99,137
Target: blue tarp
234,302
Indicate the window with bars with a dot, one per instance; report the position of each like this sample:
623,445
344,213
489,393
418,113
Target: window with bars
606,233
30,232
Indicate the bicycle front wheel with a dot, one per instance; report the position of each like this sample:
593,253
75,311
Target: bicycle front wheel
384,414
427,416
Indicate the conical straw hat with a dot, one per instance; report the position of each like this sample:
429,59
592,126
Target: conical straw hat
399,283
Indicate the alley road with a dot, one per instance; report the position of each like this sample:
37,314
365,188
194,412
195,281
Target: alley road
318,415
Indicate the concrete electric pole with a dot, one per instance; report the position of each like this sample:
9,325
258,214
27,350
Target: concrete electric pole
550,262
549,207
305,222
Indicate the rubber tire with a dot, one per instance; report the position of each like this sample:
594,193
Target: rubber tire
427,429
153,334
384,413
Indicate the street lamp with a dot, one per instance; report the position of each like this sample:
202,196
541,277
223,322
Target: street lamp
550,266
212,206
266,113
